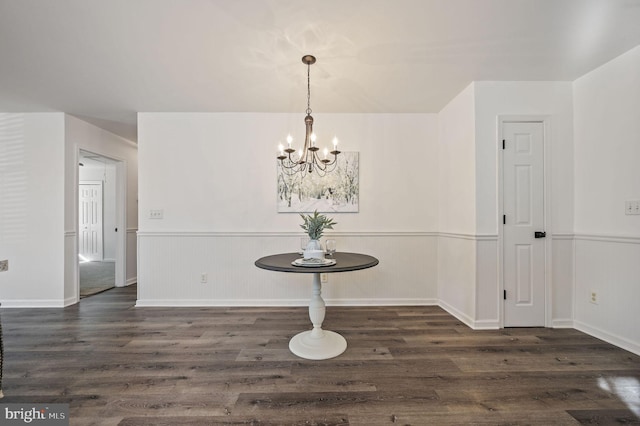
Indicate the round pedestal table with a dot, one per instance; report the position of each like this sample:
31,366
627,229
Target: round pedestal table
317,343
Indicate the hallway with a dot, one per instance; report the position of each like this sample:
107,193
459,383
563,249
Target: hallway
96,277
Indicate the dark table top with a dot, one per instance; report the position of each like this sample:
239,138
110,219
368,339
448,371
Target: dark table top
344,262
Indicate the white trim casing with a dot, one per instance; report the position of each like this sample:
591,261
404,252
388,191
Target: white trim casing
626,239
121,215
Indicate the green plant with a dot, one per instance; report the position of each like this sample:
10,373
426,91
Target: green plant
315,224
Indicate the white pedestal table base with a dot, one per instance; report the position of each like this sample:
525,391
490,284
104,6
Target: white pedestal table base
317,344
329,345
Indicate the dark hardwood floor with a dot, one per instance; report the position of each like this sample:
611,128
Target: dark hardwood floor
120,365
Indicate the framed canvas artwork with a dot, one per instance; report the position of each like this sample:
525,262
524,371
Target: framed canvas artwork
337,191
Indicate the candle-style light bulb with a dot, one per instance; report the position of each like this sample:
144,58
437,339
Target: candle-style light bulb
335,142
281,149
289,140
313,139
326,151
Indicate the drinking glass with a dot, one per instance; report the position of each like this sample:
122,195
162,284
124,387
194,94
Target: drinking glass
331,247
303,244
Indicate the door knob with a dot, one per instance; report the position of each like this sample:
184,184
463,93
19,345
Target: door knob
540,234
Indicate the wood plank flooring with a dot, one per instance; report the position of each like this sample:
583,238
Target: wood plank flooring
120,365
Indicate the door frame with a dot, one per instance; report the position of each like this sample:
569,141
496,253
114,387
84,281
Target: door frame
121,217
548,241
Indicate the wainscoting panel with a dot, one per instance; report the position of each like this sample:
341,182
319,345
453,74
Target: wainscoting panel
132,261
457,275
562,282
488,291
608,266
71,280
171,266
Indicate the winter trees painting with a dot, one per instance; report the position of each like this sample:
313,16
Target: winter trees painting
337,191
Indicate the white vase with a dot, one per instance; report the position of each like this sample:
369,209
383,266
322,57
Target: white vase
314,250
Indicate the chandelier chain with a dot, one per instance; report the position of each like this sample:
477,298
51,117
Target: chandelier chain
308,89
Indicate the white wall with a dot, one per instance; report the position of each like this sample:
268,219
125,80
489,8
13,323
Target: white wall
457,206
468,248
457,164
607,152
226,173
80,135
220,208
38,189
553,100
32,208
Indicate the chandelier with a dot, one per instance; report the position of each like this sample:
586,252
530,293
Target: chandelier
307,158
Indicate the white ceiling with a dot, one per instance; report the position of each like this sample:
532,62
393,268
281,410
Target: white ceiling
105,60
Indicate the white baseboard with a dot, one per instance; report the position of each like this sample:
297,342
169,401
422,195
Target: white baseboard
381,302
562,323
31,303
141,303
130,281
621,342
486,325
467,320
456,313
203,303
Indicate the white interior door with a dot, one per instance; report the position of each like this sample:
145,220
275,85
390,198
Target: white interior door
90,221
524,251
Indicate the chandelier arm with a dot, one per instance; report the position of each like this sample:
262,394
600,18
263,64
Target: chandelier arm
322,170
289,171
292,160
319,164
290,165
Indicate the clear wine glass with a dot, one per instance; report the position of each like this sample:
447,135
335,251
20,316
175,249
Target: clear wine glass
303,244
331,247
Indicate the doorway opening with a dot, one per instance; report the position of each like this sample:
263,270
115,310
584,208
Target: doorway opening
97,223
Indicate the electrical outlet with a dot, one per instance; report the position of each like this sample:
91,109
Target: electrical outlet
632,207
594,297
4,265
156,214
204,277
324,277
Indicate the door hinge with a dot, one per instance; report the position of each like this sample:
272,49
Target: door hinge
504,294
503,144
504,219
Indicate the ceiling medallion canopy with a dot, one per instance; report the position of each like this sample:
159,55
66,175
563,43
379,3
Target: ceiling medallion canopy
307,160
